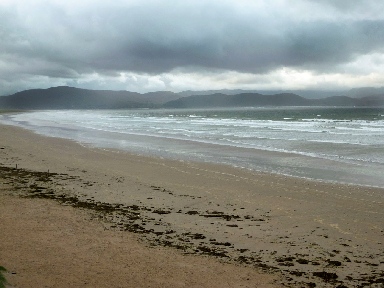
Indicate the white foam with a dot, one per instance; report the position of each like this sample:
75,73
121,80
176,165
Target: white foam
348,141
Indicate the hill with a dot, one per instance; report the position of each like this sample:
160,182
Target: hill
74,98
365,91
259,100
309,94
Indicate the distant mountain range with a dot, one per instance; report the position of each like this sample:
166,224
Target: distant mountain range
64,97
309,94
74,98
258,100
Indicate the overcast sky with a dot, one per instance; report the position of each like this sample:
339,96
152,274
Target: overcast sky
150,45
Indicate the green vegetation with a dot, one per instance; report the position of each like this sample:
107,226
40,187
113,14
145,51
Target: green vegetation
7,111
3,281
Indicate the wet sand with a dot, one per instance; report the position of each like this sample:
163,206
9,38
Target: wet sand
303,233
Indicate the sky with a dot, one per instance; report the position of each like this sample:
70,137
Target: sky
154,45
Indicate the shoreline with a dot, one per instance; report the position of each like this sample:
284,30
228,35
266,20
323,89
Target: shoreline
295,227
300,165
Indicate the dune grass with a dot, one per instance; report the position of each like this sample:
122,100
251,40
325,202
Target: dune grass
7,111
3,281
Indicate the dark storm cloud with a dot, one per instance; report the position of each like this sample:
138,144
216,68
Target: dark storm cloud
321,45
247,48
158,36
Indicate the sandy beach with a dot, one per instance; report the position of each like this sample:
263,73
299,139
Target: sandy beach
75,216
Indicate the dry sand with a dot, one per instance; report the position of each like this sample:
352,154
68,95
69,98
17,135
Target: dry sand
48,245
305,233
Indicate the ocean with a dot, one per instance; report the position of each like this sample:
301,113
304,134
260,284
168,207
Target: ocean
344,145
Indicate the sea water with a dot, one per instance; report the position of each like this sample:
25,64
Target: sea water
329,144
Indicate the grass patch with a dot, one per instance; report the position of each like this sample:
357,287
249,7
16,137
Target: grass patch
7,111
3,281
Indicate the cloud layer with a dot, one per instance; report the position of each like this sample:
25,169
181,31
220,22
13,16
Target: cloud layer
153,45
